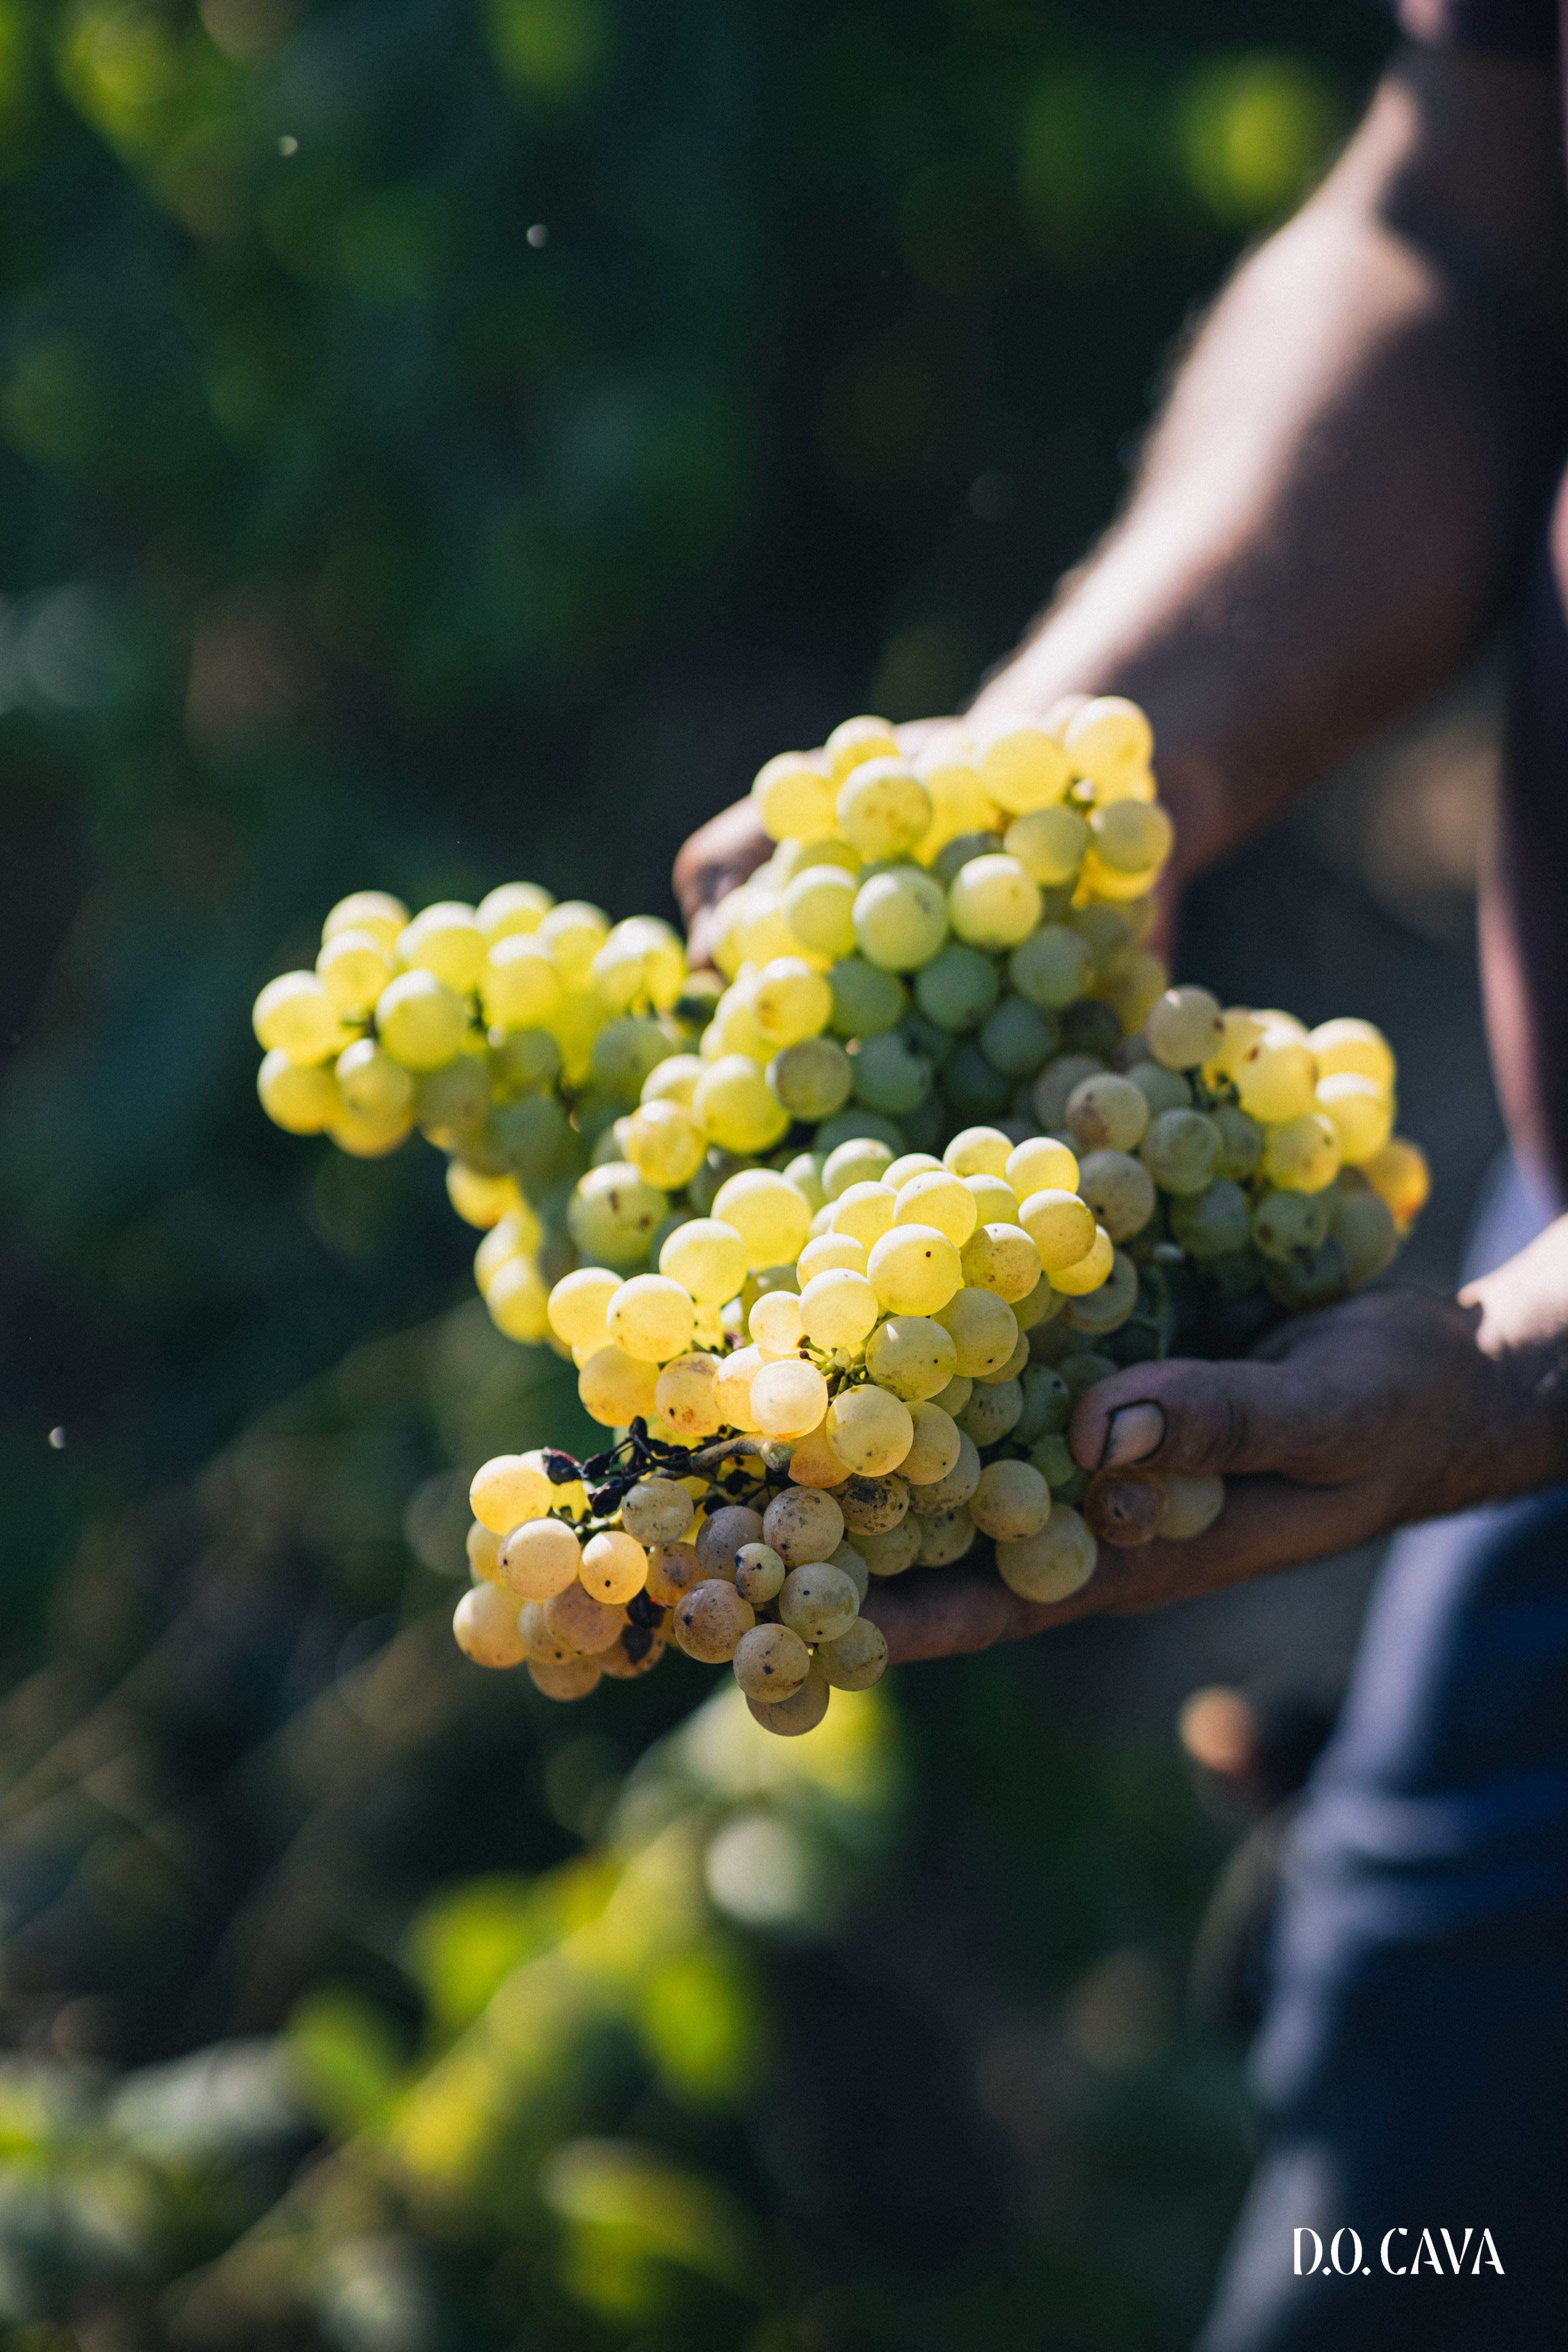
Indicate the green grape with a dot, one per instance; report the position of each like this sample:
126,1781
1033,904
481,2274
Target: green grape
805,1172
956,1396
1051,968
1011,1502
573,932
522,1061
1213,1222
354,968
936,1446
1119,1191
1106,933
858,1659
812,1079
758,1573
1301,1155
613,1214
869,1429
1053,1564
900,919
769,1215
992,1409
1047,1402
512,908
1287,1225
1160,1088
912,1164
971,1088
864,1160
530,1138
625,1052
1364,1226
818,1601
519,984
734,1108
1132,836
1017,1037
957,988
951,860
865,1213
933,1496
984,1329
858,1126
375,911
870,1506
838,1309
445,940
301,1098
802,1712
1091,1026
890,1553
1111,1305
884,810
663,1143
890,1077
819,908
1107,1113
993,903
866,1001
1241,1141
1182,1150
1317,1278
420,1021
1056,1083
651,1318
1049,844
946,1535
771,1663
935,1196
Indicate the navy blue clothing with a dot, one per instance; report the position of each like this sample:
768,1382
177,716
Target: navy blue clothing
1412,2071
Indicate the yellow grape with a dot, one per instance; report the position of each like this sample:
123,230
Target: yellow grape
788,1398
865,1213
936,1445
617,1388
420,1021
1011,1502
447,939
615,1566
685,1396
707,1257
513,909
936,1197
1053,1564
507,1489
519,987
300,1098
993,903
484,1626
1398,1174
1001,1258
771,1217
838,1309
651,1318
1301,1155
1049,844
1089,1272
539,1559
1361,1111
375,911
829,1252
1353,1046
518,1301
983,1330
913,1355
1277,1078
1022,767
735,1109
869,1429
854,741
793,797
295,1016
1060,1225
1109,737
480,1201
354,968
979,1152
914,1270
884,810
665,1144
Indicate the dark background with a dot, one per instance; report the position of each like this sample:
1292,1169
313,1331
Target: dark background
442,443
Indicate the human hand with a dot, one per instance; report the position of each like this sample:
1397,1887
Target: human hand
721,854
1345,1424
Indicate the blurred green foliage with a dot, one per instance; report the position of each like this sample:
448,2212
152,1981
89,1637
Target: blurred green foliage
441,441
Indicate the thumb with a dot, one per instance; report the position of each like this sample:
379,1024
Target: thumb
1242,1418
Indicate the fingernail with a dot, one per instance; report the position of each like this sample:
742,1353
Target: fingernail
1134,1433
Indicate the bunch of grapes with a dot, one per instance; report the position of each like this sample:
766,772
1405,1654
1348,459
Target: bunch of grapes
837,1238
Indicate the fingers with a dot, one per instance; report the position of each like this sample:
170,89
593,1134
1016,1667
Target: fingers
1242,1418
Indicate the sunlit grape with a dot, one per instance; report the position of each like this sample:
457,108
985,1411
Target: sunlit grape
1277,1078
1362,1113
484,1626
1086,1273
863,1159
518,1301
1301,1155
787,1397
993,903
684,1396
772,1219
651,1318
1184,1028
865,1212
793,796
983,1329
513,909
900,919
1108,738
884,810
1398,1174
735,1107
869,1429
445,940
978,1151
539,1559
773,1322
1060,1225
420,1021
613,1214
519,987
301,1098
1054,1563
914,1269
354,968
1049,844
614,1565
732,1387
294,1015
1131,836
375,911
1352,1047
579,1305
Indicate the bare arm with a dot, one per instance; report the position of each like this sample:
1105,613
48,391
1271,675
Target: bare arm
1332,510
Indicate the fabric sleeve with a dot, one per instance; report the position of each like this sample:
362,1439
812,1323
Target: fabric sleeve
1518,27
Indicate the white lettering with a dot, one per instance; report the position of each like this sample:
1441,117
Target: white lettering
1456,2259
1429,2250
1387,2265
1317,2253
1345,2269
1486,2253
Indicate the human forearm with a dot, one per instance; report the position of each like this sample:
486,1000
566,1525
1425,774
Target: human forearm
1331,511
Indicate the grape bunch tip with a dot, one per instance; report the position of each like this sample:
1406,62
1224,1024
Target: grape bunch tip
836,1235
